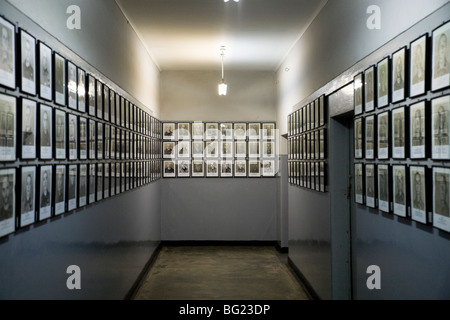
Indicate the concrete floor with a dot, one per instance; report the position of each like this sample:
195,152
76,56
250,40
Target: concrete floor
220,273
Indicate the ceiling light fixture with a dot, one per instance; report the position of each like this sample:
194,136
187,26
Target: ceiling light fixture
222,84
229,0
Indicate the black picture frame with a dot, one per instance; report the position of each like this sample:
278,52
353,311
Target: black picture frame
60,189
100,181
45,199
240,130
440,128
370,185
418,121
60,134
81,89
418,177
440,70
72,136
358,138
8,201
27,196
254,168
441,195
169,169
112,106
100,139
45,132
369,89
91,95
399,190
8,128
107,180
83,138
106,103
8,60
418,66
183,168
72,187
72,85
384,187
99,97
359,183
82,185
370,137
383,82
383,135
28,128
399,133
28,70
92,182
358,91
45,68
240,168
92,135
399,75
59,81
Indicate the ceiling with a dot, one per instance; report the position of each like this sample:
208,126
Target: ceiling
188,34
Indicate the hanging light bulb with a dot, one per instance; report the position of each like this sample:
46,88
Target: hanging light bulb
222,84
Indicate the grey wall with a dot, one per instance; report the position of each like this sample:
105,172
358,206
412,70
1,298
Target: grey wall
113,239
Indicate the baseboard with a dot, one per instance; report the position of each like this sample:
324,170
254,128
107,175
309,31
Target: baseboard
141,277
303,281
179,243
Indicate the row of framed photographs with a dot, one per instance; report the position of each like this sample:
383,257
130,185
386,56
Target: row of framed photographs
409,72
35,193
414,191
308,146
310,117
47,74
218,130
51,133
216,149
417,131
308,174
223,168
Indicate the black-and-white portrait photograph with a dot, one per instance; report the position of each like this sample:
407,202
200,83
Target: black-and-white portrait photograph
92,135
226,149
418,55
27,63
28,129
198,168
72,85
269,148
359,186
254,149
112,179
112,107
358,138
169,169
268,131
398,133
322,144
441,57
184,149
27,201
241,149
197,130
45,192
417,177
197,149
226,131
441,198
240,168
417,133
323,177
60,189
73,136
240,131
184,168
169,131
268,168
72,187
399,189
106,179
254,130
398,75
92,178
117,111
383,135
60,79
7,201
383,83
8,108
81,90
358,93
370,185
118,178
211,131
369,89
254,168
100,140
168,149
46,130
99,96
8,54
383,187
440,109
82,185
106,101
91,95
212,168
226,168
323,110
212,149
83,136
60,134
45,72
370,137
99,183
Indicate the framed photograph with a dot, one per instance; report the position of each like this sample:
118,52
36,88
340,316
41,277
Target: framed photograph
226,149
83,123
358,93
8,55
323,110
441,195
60,134
358,138
27,62
212,149
398,133
92,179
112,106
100,140
441,57
99,184
383,135
226,168
197,149
370,185
440,108
306,118
198,168
60,189
418,196
72,84
169,169
369,89
106,180
399,75
241,149
28,129
197,131
112,179
316,114
91,95
169,131
399,189
240,131
240,168
73,136
417,125
317,144
81,90
369,143
117,112
323,176
183,131
322,144
359,183
82,185
184,168
268,131
46,132
184,149
7,201
8,111
269,149
45,71
45,192
72,187
268,167
383,187
417,68
212,168
226,131
59,79
211,131
27,201
383,83
118,177
254,149
122,113
92,136
99,88
254,131
254,168
107,140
